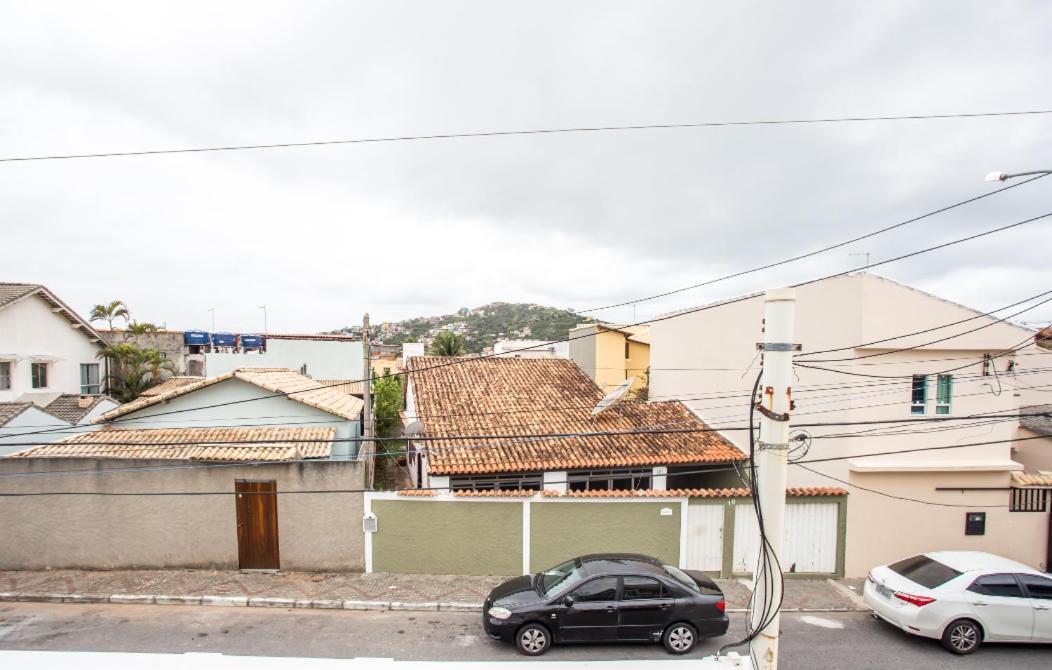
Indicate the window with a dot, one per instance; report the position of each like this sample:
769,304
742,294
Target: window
975,523
89,379
919,398
628,352
597,590
641,588
5,375
1038,587
38,373
1028,500
943,393
529,481
924,571
610,480
997,585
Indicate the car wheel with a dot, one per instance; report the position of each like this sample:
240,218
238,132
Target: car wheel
533,639
680,638
962,636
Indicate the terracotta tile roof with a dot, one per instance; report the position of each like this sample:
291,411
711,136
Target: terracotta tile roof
68,406
10,410
10,292
1040,479
527,396
203,444
343,385
1042,425
490,493
277,380
418,493
170,384
692,493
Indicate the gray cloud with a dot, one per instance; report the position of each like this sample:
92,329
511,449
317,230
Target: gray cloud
323,234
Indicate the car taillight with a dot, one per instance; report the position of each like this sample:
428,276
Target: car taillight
721,605
919,601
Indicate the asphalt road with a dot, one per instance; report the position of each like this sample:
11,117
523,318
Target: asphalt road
841,640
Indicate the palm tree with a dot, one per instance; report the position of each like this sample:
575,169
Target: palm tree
133,369
447,343
109,313
137,329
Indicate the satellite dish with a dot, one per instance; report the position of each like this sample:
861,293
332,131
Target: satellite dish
414,428
614,396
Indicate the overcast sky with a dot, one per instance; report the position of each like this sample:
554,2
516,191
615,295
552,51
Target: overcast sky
320,235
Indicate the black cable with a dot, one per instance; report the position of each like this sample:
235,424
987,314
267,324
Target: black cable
810,253
895,497
463,361
540,131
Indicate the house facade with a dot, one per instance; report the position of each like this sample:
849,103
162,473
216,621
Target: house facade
610,354
522,397
46,348
855,367
203,467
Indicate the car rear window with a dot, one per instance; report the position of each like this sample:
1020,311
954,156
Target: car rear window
924,571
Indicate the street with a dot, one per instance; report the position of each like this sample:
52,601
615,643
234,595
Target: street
818,640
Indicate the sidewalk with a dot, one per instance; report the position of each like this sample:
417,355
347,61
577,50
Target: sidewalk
330,590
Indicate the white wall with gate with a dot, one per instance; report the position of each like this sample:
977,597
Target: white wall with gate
810,542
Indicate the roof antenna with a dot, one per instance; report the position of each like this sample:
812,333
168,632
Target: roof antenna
613,397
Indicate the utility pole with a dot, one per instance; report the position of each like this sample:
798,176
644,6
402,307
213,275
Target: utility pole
367,396
772,454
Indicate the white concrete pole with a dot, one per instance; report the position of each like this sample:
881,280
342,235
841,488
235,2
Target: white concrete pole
367,397
772,452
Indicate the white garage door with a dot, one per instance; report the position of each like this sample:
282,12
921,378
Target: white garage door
704,537
809,543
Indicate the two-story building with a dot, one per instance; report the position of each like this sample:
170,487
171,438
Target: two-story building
876,350
46,348
610,354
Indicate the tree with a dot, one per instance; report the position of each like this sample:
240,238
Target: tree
132,369
115,309
447,343
387,403
137,329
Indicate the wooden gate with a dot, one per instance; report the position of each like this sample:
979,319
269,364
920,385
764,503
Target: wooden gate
257,524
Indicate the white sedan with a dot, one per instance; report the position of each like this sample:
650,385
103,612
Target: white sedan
963,598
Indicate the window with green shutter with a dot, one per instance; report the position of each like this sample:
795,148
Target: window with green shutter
919,396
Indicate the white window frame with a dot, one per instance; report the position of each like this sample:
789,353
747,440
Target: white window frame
85,387
948,405
914,405
32,374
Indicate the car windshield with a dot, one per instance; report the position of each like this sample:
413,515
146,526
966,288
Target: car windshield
681,577
924,571
561,576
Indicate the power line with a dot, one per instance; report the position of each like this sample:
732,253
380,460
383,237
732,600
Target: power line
890,495
506,133
809,254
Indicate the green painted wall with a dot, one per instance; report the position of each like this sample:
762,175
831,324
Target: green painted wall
559,531
447,538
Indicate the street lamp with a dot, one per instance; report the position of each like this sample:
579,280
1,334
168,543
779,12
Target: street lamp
1004,176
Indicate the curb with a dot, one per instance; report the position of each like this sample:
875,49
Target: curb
295,603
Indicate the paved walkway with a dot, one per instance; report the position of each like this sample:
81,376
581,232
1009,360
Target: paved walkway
335,590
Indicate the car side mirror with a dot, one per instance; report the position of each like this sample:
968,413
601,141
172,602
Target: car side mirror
568,601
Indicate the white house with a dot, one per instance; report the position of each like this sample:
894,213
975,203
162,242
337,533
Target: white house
953,366
531,349
46,348
24,422
269,403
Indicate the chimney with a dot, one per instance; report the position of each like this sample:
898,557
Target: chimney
85,401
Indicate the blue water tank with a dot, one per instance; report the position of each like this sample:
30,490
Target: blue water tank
224,339
195,338
251,341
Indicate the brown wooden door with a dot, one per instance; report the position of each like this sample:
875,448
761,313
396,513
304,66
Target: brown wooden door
257,524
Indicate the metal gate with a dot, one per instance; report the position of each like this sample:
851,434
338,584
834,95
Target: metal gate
704,538
810,543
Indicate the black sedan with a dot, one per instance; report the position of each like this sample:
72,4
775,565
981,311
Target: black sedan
606,598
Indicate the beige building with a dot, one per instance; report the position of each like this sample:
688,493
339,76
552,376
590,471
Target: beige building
610,354
850,328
